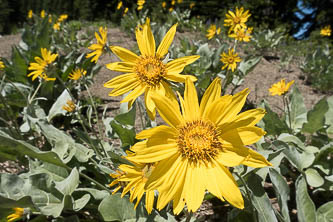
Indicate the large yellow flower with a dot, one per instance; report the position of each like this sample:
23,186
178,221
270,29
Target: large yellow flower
16,215
242,35
41,65
99,46
194,152
280,88
326,31
147,73
212,31
230,60
236,20
133,179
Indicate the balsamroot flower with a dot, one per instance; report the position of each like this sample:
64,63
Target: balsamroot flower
242,35
326,31
147,73
16,215
140,4
236,20
193,153
133,179
212,31
41,66
77,74
120,4
70,107
30,14
280,88
2,66
42,14
62,17
98,48
230,60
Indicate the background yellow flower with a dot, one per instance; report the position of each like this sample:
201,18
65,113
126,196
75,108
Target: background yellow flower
326,31
99,46
16,215
230,60
236,20
280,88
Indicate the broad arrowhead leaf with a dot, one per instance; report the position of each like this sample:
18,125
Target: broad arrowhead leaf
56,108
313,178
325,212
297,110
316,117
68,185
306,210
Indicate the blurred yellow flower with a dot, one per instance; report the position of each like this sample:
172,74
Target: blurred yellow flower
56,26
147,73
77,74
171,9
70,107
326,31
173,2
2,66
62,17
41,65
140,4
16,215
242,35
164,4
50,18
42,14
179,1
230,60
212,31
125,11
280,88
133,179
120,4
30,14
236,20
193,153
192,4
99,46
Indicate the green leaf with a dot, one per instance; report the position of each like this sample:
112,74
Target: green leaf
18,70
81,202
325,212
57,173
299,160
260,199
127,136
21,148
115,208
288,138
23,202
329,117
316,117
247,65
313,178
127,118
306,211
97,194
297,110
13,94
273,124
68,185
56,108
282,191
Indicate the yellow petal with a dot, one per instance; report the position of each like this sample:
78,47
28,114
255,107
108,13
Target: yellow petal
177,65
250,134
118,80
149,201
217,108
150,41
120,66
134,94
191,101
124,88
256,160
212,93
124,54
168,111
150,105
179,78
141,42
157,131
166,42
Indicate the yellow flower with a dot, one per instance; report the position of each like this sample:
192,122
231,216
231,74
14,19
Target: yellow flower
140,4
70,107
179,1
164,4
42,14
212,31
120,3
242,35
280,88
41,65
62,17
50,18
173,2
133,179
236,21
14,216
171,9
2,66
326,31
56,26
193,153
125,11
230,60
30,14
192,5
77,74
147,73
99,46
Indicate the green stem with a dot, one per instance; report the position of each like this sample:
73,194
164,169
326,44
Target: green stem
141,117
35,93
288,111
224,83
248,194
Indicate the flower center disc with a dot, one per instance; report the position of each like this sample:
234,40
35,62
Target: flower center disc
231,60
150,70
236,20
198,141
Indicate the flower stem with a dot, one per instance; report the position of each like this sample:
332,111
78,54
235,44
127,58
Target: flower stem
248,194
35,93
141,117
288,111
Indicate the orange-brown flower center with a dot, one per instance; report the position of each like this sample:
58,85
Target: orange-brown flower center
236,20
231,60
198,141
150,70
